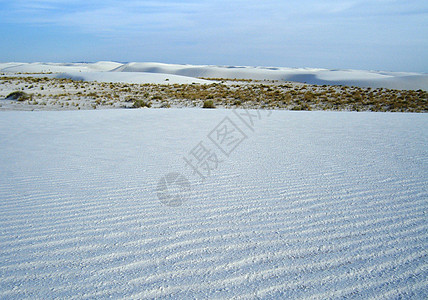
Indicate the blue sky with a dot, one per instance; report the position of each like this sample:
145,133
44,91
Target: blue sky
357,34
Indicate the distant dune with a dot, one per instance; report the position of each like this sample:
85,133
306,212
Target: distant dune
174,73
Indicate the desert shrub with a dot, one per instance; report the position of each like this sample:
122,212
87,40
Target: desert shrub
165,105
208,104
19,96
308,96
141,103
129,99
303,106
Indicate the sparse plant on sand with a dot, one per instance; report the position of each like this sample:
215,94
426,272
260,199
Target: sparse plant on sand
19,96
208,104
248,94
141,103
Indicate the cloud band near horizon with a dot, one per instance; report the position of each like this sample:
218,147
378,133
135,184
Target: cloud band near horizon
380,34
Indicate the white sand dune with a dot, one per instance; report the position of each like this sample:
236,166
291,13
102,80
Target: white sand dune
140,77
140,71
396,80
58,67
312,205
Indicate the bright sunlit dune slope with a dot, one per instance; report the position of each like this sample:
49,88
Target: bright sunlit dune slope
141,74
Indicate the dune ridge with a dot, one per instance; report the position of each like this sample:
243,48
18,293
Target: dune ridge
150,72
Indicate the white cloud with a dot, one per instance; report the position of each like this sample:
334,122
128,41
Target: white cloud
118,16
306,32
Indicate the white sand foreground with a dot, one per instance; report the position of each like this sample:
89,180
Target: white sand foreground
317,205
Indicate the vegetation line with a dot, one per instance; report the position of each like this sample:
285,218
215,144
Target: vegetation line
40,92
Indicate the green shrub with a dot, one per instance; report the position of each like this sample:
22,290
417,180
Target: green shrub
165,105
141,103
208,104
303,106
309,96
19,96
